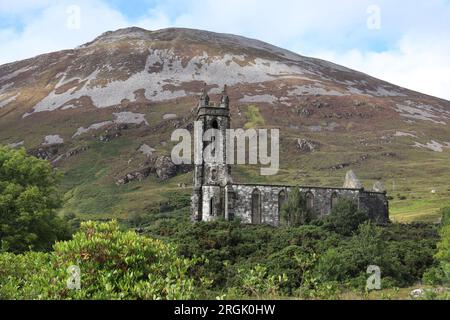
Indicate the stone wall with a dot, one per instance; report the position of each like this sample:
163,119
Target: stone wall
241,205
238,202
376,205
212,203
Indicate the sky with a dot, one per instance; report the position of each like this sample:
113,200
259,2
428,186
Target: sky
404,42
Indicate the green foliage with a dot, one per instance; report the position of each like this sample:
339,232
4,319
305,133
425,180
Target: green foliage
317,262
401,262
254,117
257,282
28,199
345,217
440,274
445,213
239,261
114,265
294,211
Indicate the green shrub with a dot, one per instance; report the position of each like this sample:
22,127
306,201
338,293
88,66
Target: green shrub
257,282
345,217
317,261
440,273
445,213
254,117
295,211
114,265
402,263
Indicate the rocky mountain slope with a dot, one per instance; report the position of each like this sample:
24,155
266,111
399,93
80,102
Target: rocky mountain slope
103,113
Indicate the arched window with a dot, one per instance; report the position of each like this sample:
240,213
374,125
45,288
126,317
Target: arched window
211,206
309,200
213,175
231,195
214,142
282,197
256,207
334,200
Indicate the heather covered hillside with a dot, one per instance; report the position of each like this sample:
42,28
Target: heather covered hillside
103,114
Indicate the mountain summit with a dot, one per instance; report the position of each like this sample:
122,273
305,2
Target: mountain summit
114,101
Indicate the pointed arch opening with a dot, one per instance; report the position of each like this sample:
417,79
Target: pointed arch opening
282,198
256,207
214,124
334,200
211,206
309,200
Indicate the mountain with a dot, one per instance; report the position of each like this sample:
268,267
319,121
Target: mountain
103,114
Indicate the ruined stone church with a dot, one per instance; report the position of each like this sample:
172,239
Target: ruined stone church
215,195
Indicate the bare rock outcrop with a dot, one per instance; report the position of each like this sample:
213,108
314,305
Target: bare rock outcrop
46,152
378,186
307,146
71,153
135,176
165,168
161,167
352,181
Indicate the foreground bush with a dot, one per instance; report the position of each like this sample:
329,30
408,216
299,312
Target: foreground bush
113,265
440,274
256,282
315,259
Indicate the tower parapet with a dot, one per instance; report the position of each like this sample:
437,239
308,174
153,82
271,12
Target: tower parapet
224,99
204,98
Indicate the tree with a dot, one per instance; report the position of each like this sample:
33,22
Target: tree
345,217
295,211
28,199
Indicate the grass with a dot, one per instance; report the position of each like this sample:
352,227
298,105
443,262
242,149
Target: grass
89,178
383,294
89,185
90,190
254,118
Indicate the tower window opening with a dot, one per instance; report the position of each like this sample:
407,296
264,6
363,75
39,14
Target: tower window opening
211,206
214,175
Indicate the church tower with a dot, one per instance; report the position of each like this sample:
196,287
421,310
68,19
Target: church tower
211,173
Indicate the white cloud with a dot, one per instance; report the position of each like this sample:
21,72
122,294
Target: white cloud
418,63
52,29
22,6
49,31
411,49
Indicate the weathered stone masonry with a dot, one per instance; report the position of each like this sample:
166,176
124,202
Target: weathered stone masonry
243,202
216,196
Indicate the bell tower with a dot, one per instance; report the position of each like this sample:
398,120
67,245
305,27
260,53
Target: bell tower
211,173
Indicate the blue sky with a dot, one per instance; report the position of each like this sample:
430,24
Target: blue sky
403,42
